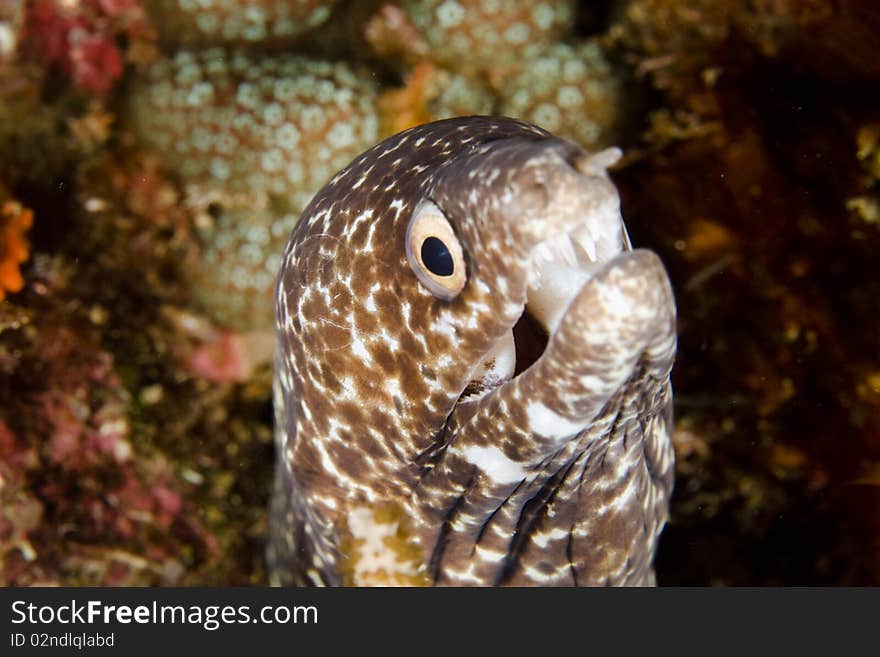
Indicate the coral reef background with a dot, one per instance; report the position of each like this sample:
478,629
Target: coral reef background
154,155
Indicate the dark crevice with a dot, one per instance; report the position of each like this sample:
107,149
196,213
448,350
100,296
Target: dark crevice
530,514
445,529
531,340
486,524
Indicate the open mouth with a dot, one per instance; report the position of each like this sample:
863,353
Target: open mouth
561,266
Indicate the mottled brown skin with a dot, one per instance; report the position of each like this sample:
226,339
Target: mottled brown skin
371,366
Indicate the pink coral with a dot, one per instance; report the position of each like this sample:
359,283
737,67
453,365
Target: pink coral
84,412
80,38
81,434
219,360
139,503
20,512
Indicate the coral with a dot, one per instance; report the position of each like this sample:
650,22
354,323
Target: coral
35,139
431,93
679,45
54,95
137,228
235,22
277,125
674,43
240,258
118,463
458,95
258,136
72,461
475,35
568,90
83,414
81,38
20,511
229,357
393,38
15,221
776,412
93,128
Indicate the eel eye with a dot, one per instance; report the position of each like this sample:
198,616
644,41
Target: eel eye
434,252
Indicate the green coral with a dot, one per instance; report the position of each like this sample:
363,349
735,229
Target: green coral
483,34
241,255
235,22
253,138
458,95
571,91
276,125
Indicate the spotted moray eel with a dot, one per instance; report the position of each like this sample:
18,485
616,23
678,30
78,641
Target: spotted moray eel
472,370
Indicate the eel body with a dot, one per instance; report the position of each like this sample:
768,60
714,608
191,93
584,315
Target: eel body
472,370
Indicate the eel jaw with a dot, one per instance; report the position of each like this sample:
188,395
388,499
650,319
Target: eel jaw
563,264
560,266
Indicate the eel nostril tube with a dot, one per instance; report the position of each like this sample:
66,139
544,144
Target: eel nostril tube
595,164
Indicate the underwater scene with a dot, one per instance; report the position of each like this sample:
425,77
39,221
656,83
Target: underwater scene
155,156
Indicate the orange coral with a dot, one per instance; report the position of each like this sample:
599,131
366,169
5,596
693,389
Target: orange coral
407,107
15,220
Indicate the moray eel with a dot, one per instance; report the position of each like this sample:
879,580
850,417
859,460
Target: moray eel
472,370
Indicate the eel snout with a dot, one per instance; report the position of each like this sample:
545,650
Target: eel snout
578,229
567,211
